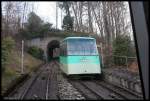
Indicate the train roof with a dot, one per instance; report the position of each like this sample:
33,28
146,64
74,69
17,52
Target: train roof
78,38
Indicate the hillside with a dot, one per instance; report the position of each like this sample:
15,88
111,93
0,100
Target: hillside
13,68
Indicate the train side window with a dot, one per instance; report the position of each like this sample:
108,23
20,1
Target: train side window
61,50
65,48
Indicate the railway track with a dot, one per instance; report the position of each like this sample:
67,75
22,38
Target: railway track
52,86
20,90
39,86
95,89
43,85
118,90
33,82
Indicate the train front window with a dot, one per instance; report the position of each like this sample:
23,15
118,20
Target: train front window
82,47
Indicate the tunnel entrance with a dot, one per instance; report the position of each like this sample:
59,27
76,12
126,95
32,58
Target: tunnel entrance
53,50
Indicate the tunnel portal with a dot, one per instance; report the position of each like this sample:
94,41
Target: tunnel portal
53,50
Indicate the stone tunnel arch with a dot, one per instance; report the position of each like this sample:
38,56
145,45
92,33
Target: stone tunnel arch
51,46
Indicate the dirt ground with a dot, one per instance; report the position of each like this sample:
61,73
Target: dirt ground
133,67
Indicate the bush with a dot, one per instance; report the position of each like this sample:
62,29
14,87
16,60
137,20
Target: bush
35,27
7,46
122,46
29,35
36,52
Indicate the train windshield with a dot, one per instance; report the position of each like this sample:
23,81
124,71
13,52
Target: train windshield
82,47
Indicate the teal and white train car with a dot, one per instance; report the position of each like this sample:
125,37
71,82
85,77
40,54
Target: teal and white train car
79,55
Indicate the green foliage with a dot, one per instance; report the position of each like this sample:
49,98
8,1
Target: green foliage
34,22
45,28
67,23
35,27
7,46
55,30
68,20
36,52
122,46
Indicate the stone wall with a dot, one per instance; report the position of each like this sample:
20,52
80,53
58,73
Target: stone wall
42,43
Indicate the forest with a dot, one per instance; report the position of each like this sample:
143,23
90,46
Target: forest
109,21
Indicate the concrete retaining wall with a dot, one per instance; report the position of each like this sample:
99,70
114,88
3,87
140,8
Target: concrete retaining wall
131,84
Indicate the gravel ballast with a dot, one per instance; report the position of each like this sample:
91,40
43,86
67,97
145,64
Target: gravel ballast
67,91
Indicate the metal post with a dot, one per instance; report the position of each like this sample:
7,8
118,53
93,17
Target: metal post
22,57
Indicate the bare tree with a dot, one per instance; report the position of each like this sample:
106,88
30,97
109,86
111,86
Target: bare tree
89,17
106,18
14,14
74,8
56,14
80,15
96,18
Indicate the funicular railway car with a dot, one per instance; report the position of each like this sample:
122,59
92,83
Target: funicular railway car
79,55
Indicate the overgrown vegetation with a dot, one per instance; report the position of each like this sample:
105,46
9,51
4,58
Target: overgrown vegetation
13,67
36,52
35,27
81,18
7,47
122,46
11,62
